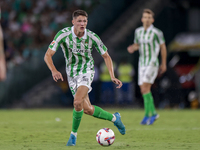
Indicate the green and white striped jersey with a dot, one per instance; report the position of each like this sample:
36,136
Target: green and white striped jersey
149,45
77,52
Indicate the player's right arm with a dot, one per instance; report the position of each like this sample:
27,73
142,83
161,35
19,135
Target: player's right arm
49,54
48,60
132,48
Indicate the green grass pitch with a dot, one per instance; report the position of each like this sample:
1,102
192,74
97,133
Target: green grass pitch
37,129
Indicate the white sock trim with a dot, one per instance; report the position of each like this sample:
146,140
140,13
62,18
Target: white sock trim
78,111
114,118
74,133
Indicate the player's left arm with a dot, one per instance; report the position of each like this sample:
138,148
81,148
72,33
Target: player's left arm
163,51
109,64
102,49
2,58
163,66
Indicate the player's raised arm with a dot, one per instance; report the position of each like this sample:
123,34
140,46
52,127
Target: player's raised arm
48,59
109,64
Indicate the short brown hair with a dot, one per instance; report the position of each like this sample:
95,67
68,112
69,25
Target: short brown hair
77,13
148,11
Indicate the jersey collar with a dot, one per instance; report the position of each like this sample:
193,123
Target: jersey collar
74,35
149,28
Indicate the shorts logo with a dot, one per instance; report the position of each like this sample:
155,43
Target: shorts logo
85,79
148,77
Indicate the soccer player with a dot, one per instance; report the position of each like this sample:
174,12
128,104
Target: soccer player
77,43
149,41
2,56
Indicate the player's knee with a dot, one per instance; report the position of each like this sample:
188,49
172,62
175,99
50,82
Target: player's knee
78,105
89,111
144,90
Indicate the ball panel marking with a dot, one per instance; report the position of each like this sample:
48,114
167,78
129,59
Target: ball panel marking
105,137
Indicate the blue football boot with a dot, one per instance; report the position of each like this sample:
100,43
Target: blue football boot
145,120
118,123
72,140
153,119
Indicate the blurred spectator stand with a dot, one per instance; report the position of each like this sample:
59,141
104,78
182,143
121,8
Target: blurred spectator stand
125,72
184,52
107,95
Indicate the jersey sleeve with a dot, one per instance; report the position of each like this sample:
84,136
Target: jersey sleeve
98,44
56,42
0,14
135,38
161,38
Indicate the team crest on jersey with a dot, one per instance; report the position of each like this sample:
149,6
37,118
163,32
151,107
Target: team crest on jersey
86,45
52,43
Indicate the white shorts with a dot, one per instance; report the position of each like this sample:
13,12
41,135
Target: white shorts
147,74
82,79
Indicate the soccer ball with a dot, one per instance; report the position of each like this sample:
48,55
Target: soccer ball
105,137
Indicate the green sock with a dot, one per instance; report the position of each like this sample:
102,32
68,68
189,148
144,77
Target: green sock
102,114
146,104
77,115
152,106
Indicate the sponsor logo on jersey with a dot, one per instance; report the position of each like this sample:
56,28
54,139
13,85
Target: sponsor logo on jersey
52,43
101,45
78,50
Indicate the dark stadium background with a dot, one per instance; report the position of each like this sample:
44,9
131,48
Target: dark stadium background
29,27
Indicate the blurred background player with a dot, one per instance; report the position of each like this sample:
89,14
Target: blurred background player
77,43
149,41
2,56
